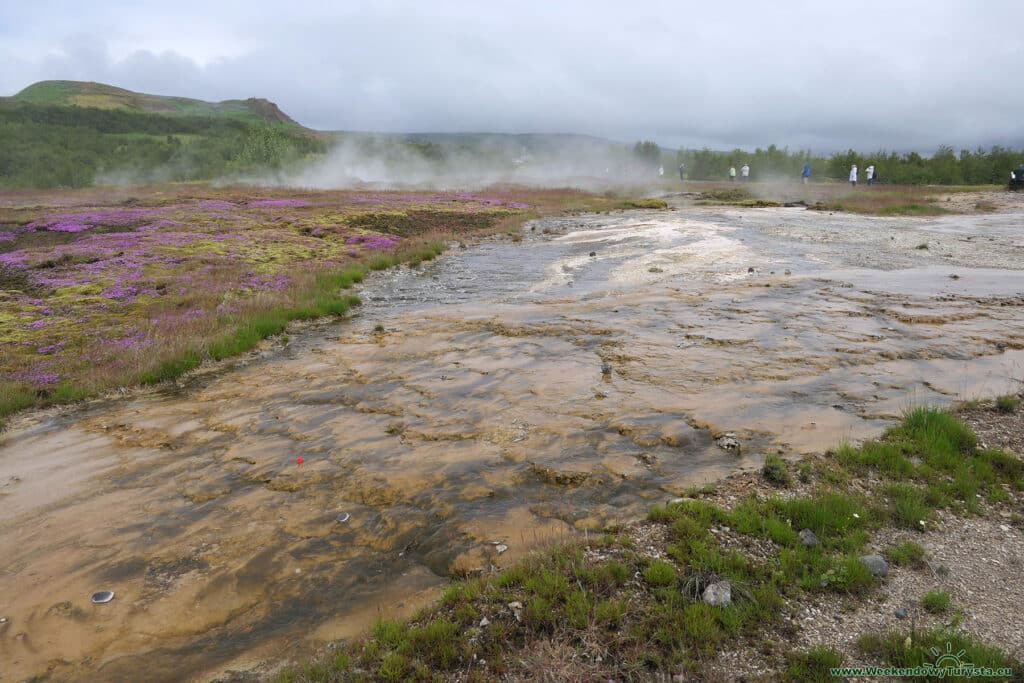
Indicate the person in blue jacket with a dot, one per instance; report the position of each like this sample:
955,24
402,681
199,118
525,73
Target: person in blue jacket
806,175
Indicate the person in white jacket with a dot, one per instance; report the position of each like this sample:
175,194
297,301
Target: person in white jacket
853,175
869,173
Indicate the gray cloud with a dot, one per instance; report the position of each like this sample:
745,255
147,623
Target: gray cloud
869,74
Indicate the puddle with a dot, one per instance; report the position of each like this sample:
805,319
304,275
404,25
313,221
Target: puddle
483,414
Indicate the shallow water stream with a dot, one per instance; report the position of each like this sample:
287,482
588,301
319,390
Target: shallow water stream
519,393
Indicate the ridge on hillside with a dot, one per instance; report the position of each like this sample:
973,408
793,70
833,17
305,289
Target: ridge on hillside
103,96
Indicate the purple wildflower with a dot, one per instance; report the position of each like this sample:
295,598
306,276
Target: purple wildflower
119,291
38,376
51,348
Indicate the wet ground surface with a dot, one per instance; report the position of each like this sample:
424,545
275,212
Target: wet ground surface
518,393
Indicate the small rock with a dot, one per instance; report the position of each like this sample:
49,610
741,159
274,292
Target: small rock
901,613
500,548
484,622
593,253
788,271
750,270
729,442
809,538
718,594
875,563
1003,527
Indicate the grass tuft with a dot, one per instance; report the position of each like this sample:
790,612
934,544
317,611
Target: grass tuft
1007,403
813,665
936,602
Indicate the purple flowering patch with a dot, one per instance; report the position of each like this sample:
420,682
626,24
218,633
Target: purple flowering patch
119,291
79,222
134,339
38,376
266,282
217,204
51,348
259,203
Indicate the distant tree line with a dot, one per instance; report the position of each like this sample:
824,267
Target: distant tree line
60,146
944,167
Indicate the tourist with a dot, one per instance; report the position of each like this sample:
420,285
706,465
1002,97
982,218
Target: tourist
745,172
732,173
853,175
869,172
806,175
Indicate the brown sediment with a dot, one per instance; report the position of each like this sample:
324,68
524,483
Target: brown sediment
522,393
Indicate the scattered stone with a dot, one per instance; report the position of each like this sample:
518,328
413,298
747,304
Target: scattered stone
517,610
875,563
729,442
343,517
901,613
809,538
718,594
606,368
954,276
102,597
500,548
593,253
750,269
788,271
484,622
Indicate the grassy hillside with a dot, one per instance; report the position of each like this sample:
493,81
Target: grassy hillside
70,134
101,96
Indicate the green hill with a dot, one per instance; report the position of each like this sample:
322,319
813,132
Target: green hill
73,134
101,96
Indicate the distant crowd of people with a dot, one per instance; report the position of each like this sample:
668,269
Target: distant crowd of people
805,176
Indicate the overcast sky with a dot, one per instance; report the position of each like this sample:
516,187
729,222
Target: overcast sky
819,74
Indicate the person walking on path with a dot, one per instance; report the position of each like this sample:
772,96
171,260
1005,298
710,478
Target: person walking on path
745,172
869,172
732,174
682,171
806,175
853,175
